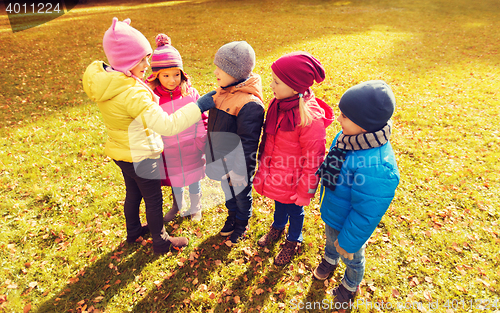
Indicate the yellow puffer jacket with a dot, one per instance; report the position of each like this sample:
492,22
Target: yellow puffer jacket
134,121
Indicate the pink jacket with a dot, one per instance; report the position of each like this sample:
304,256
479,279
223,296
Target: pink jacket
289,159
184,159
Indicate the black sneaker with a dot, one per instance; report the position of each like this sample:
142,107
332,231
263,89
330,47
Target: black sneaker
324,270
240,230
344,296
229,225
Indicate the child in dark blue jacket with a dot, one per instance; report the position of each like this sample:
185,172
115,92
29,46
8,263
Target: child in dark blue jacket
359,179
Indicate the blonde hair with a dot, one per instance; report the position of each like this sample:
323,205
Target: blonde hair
307,115
184,83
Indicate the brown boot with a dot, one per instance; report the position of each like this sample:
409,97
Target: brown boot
272,236
195,208
170,215
171,244
286,254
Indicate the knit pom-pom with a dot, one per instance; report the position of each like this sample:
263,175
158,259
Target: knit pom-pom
162,40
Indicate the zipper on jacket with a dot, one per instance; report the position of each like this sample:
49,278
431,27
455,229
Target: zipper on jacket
178,143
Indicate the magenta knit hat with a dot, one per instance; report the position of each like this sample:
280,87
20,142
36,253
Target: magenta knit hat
125,46
165,56
299,70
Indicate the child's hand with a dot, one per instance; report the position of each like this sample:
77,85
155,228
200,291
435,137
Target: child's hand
206,102
300,201
342,252
235,179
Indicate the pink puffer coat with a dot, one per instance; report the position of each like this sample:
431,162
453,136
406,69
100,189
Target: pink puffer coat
289,159
184,159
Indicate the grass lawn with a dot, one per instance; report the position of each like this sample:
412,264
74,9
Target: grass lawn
62,237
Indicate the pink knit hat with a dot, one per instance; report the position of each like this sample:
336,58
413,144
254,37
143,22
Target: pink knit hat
165,56
299,70
125,46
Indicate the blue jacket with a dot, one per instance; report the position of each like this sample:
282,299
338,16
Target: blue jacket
365,189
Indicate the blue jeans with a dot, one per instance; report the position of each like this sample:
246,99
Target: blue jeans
238,199
194,188
284,212
355,268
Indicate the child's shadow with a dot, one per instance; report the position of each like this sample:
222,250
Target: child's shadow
176,289
97,284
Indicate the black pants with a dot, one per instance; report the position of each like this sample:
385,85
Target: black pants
142,181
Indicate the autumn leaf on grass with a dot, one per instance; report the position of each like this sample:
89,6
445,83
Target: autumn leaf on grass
27,308
98,299
202,287
414,282
259,291
455,247
395,293
192,256
248,251
460,288
236,299
427,295
487,284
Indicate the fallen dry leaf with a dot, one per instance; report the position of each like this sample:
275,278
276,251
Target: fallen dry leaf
202,287
427,295
395,293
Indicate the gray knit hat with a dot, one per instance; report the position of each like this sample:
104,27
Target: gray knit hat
369,104
236,58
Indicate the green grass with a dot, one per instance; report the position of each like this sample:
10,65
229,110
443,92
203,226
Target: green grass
62,240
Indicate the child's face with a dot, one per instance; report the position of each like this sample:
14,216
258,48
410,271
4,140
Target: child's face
349,127
170,78
140,69
223,78
280,89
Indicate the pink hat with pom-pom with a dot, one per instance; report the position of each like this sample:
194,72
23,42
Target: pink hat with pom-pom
164,57
125,46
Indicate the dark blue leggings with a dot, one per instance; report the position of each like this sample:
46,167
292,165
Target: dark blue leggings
142,181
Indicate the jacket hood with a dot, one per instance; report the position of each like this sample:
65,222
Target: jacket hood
253,86
101,85
328,116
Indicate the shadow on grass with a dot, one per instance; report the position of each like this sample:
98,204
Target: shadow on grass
97,284
175,290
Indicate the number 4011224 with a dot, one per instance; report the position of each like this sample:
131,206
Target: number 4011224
39,8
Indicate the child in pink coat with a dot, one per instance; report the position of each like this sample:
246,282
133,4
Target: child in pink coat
292,148
184,161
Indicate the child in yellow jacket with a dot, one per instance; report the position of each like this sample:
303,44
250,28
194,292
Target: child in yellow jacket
135,123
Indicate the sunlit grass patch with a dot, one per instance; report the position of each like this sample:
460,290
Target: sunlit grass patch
62,244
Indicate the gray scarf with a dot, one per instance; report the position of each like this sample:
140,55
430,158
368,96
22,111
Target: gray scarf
329,170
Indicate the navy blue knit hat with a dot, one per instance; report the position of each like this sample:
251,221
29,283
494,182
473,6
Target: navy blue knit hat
369,104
